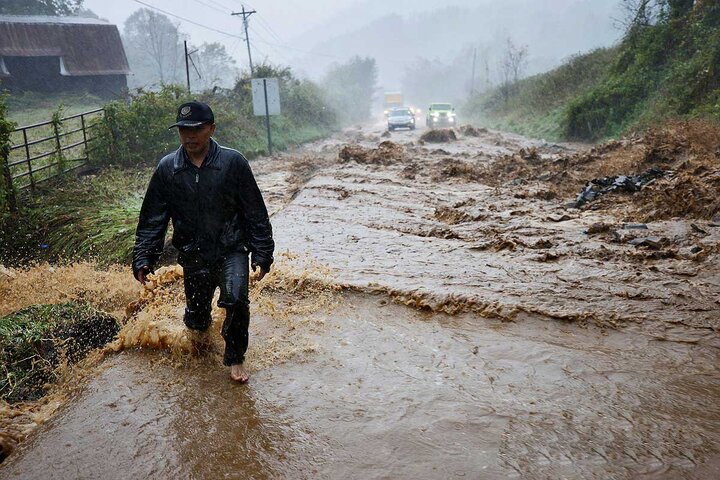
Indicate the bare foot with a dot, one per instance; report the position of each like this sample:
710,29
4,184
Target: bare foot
238,373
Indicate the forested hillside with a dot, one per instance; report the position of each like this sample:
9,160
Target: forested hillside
666,66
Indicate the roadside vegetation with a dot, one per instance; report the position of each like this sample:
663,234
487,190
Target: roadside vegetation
37,342
93,216
535,106
665,67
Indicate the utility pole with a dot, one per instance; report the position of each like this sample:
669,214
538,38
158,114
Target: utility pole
187,67
245,14
472,81
188,61
487,72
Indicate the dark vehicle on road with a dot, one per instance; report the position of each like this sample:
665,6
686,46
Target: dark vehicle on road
401,118
440,115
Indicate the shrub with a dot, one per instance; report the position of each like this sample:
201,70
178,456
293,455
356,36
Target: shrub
6,128
135,132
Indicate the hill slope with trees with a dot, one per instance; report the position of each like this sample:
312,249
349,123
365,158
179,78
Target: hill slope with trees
666,66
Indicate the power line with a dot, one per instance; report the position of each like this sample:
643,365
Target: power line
245,15
308,52
282,43
212,6
265,24
269,29
220,5
185,19
278,51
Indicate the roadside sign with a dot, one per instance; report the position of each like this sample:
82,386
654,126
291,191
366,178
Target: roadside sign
266,102
259,87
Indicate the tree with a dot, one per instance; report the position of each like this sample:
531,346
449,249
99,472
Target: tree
154,49
216,66
350,88
40,7
439,80
86,13
511,67
637,14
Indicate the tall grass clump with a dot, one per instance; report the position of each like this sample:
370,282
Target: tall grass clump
90,217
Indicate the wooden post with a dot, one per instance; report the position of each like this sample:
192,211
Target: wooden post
27,157
9,190
82,124
58,146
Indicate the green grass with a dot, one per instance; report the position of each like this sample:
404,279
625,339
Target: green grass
36,340
28,108
91,217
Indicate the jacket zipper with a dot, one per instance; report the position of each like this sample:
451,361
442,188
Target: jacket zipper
197,205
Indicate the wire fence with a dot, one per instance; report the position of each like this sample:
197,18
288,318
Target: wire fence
46,150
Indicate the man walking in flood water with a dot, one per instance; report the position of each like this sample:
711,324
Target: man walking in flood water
219,218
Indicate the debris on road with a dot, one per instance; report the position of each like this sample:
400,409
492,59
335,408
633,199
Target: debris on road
619,183
470,131
654,243
685,151
387,153
453,168
598,227
439,136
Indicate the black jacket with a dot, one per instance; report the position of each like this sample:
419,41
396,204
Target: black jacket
215,209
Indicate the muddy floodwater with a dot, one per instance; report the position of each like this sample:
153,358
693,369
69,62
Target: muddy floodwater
451,328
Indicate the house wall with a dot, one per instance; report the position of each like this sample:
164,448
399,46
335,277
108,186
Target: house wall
42,74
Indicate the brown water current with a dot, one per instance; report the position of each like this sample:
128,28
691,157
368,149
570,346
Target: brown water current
481,334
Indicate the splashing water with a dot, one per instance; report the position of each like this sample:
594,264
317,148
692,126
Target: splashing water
152,319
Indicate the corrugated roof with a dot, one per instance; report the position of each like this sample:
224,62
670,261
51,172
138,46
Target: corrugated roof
87,46
51,19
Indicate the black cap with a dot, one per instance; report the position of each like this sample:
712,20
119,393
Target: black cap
193,114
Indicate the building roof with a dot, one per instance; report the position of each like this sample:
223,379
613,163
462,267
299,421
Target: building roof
52,20
86,46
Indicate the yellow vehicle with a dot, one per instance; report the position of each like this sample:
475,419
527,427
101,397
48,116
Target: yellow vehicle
392,100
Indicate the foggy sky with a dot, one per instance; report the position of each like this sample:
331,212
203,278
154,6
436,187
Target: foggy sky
310,35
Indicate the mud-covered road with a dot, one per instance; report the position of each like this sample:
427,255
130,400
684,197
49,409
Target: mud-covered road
480,332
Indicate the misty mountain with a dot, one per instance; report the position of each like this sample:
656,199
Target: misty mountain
394,38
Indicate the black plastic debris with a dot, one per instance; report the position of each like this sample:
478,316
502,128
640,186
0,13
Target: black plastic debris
619,183
559,218
654,243
698,229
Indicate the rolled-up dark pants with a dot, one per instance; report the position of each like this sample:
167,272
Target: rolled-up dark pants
230,273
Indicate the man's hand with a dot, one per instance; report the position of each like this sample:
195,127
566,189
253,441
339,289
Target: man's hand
258,273
142,274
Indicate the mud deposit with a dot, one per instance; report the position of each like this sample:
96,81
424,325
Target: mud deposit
441,316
